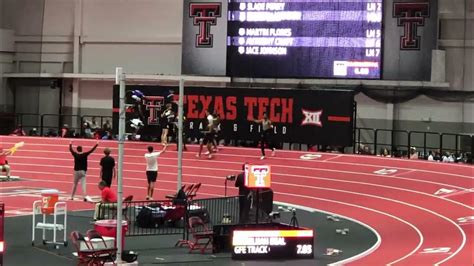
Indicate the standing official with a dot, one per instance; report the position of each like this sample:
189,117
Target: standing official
244,197
107,171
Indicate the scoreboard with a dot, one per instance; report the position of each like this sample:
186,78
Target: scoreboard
304,38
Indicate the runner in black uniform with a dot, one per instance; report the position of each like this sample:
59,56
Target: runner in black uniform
265,136
168,118
208,136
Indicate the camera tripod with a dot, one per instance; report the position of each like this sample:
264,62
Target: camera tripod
294,220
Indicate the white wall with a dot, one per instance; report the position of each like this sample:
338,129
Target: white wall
143,36
95,94
7,49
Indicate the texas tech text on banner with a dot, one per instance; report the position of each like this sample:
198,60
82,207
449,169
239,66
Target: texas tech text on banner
298,116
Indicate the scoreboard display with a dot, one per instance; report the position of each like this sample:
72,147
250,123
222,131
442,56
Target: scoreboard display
304,38
261,243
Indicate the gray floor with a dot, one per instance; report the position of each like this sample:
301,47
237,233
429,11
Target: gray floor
160,249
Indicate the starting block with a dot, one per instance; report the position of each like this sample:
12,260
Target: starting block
12,178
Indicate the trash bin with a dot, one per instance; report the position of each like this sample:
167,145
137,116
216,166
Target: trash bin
109,228
50,197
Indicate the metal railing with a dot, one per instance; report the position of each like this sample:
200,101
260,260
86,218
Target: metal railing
52,123
423,143
401,141
162,217
398,142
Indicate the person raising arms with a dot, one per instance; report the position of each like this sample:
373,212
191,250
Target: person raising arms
152,169
80,167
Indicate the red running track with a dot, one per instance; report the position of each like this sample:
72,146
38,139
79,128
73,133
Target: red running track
422,212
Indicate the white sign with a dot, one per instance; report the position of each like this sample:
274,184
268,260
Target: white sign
385,171
310,156
435,250
466,220
443,191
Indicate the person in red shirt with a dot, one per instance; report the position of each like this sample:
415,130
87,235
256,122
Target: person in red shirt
3,162
108,201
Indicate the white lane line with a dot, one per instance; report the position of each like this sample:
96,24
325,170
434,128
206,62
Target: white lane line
359,256
295,159
93,141
460,247
420,235
350,259
377,197
240,165
291,175
463,242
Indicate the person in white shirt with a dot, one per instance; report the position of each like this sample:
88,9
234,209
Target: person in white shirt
152,169
431,157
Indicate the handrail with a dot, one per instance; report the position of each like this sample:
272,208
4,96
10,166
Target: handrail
373,133
425,134
392,145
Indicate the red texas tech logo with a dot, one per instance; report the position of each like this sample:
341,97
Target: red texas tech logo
312,118
205,15
153,105
411,16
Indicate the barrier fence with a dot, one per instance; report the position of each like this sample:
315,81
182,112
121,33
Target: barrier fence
165,217
51,124
398,142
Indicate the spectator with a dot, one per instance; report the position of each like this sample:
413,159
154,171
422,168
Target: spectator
87,130
107,125
33,132
18,131
107,136
430,156
364,150
65,133
385,153
95,125
108,201
413,153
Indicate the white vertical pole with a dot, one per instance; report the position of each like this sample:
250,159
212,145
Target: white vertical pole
180,132
120,79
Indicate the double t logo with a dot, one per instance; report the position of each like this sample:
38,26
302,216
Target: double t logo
205,15
411,16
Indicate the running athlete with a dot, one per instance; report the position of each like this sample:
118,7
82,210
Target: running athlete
168,117
208,137
152,169
265,136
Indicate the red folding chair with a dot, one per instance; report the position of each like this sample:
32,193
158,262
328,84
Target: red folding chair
173,196
202,236
193,192
86,254
125,206
102,255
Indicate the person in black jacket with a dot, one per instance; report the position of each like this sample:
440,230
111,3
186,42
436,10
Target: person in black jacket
244,197
80,168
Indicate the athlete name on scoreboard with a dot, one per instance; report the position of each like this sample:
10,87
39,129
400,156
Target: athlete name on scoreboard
272,244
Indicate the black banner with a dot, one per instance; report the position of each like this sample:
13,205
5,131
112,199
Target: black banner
298,116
